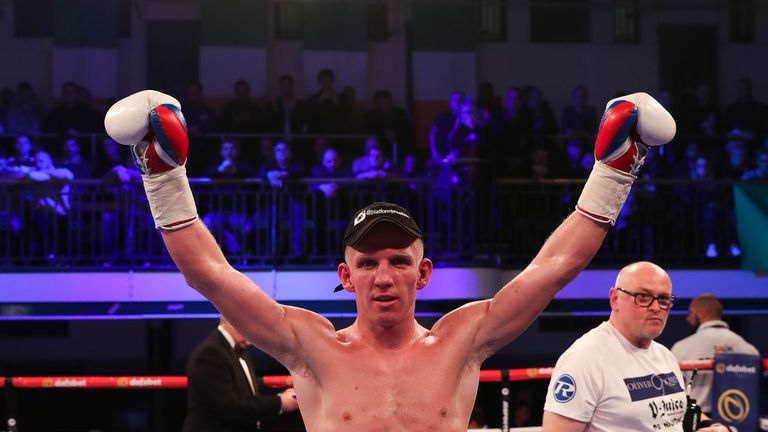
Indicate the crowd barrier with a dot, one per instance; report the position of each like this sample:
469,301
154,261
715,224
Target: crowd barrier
502,376
500,222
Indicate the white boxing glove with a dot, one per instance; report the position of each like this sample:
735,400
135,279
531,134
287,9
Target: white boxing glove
153,125
127,121
630,124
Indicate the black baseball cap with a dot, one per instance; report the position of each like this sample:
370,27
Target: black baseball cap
370,216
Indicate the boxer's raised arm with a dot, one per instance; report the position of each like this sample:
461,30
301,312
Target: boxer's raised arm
630,124
153,125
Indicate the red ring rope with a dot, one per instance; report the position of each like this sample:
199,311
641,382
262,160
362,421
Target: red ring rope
281,381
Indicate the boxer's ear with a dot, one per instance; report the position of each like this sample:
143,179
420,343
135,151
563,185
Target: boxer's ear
425,273
345,277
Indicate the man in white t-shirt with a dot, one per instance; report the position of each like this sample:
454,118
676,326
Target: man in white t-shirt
705,315
616,377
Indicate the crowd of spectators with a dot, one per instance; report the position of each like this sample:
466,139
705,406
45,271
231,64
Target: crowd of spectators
331,135
518,134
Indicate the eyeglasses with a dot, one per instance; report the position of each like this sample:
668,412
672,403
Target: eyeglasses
646,300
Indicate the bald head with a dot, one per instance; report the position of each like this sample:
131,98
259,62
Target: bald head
636,275
637,319
708,307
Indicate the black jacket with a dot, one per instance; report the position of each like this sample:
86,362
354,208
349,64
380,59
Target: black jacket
218,395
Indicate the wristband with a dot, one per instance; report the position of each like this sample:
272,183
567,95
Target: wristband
170,199
604,193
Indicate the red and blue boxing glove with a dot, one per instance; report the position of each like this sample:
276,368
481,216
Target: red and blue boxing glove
153,125
630,125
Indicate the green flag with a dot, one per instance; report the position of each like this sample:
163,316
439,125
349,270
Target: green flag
752,221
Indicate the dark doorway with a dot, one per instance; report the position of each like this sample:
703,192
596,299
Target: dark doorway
687,58
173,55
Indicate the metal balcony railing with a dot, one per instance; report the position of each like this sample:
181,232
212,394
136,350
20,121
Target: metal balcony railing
93,224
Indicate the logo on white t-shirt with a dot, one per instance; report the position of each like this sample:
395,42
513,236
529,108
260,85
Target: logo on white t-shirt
651,386
564,389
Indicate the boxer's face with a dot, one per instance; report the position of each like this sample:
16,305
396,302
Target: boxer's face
384,270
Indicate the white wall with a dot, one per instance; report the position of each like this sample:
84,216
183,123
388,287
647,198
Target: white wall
602,66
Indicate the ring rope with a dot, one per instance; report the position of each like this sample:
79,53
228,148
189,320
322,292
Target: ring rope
277,381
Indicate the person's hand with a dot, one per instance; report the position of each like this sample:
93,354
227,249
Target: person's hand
39,176
275,178
226,166
328,189
121,173
288,400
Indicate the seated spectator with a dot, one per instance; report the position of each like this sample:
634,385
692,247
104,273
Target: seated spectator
120,175
73,160
230,166
761,172
331,167
330,213
575,150
411,168
319,146
736,162
227,222
282,167
377,167
50,193
705,205
10,172
10,213
22,156
278,173
114,163
363,163
683,168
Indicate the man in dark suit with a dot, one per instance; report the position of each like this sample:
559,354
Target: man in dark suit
222,392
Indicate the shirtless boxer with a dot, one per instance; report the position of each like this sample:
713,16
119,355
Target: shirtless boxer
385,372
